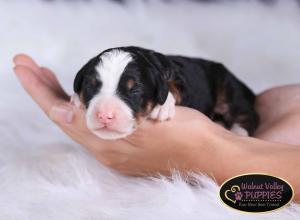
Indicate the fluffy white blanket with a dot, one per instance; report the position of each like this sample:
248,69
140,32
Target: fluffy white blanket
46,176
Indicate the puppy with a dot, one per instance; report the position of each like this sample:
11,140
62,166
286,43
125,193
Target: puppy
121,85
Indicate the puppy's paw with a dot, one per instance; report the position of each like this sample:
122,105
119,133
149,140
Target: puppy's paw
75,100
165,111
237,129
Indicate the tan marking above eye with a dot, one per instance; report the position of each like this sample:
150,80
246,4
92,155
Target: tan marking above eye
130,83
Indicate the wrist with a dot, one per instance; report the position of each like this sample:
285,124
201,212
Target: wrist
211,150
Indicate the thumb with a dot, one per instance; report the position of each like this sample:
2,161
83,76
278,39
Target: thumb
62,113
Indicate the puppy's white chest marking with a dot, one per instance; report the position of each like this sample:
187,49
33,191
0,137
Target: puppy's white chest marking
165,111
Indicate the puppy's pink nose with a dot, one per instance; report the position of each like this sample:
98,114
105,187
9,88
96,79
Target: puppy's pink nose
105,117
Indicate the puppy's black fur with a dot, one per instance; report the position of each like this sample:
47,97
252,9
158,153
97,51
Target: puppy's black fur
197,83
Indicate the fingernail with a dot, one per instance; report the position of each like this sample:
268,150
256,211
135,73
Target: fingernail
62,114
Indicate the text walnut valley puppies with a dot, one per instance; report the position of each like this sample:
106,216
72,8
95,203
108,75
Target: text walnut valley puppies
122,85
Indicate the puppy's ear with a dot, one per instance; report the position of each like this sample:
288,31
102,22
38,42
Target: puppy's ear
89,67
161,71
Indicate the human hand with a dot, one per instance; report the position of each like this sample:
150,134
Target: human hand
188,142
154,148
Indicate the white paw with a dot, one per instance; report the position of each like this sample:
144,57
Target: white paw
165,111
237,129
75,100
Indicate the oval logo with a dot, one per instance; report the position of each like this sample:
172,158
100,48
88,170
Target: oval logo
256,193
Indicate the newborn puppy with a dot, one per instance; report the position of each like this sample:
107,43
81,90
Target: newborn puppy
122,85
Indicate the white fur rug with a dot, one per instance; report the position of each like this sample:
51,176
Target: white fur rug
43,175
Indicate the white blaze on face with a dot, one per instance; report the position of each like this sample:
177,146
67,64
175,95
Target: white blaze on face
108,116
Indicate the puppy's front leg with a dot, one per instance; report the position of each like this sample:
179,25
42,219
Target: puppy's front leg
165,111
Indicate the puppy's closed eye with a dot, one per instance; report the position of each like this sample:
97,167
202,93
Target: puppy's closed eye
93,81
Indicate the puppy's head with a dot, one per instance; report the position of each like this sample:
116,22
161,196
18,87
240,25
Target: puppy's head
119,86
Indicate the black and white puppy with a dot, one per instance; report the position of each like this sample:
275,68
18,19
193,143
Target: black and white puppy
121,85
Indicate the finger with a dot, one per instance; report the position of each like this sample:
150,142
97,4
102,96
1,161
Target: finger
61,113
43,73
72,121
43,95
70,118
55,83
25,60
49,74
